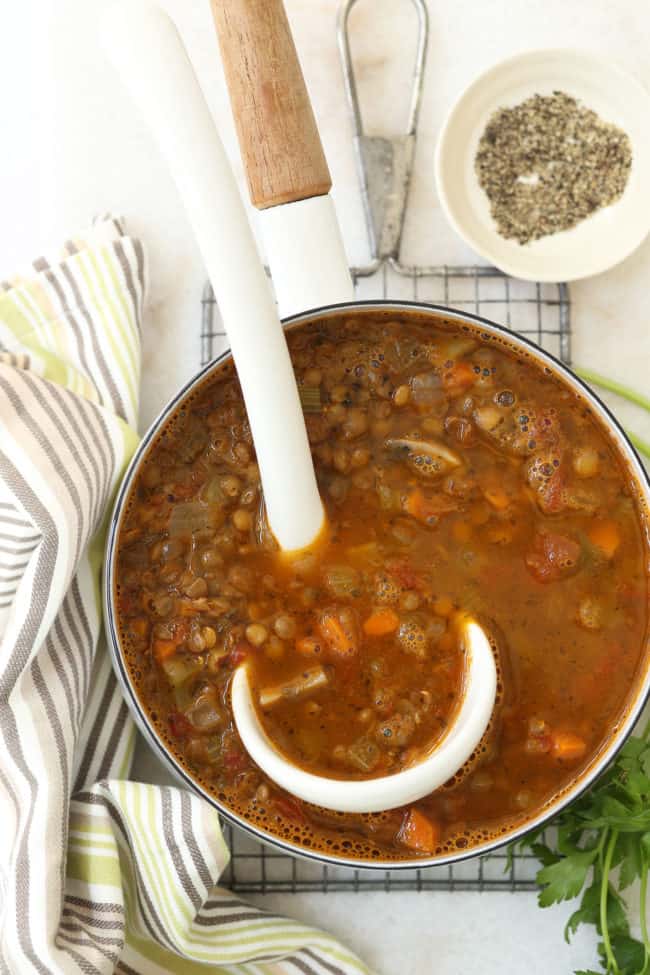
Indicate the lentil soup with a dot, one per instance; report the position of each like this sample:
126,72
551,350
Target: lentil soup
458,476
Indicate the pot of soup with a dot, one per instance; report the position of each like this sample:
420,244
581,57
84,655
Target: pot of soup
462,470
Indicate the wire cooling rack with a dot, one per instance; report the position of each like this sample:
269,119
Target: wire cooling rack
542,312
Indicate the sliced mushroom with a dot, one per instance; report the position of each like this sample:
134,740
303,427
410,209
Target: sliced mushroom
427,458
205,715
306,681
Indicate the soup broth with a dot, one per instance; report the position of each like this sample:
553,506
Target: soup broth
458,476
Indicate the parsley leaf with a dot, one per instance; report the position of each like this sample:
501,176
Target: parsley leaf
629,954
565,879
587,913
631,860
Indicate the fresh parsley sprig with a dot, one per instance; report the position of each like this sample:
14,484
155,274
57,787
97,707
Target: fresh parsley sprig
601,845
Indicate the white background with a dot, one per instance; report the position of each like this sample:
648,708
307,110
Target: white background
71,146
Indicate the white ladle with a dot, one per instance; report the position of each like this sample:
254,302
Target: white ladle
387,791
145,47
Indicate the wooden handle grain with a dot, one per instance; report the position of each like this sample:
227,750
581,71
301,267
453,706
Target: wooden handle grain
280,146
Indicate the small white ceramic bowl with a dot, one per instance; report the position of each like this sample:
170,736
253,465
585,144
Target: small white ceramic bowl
388,791
600,241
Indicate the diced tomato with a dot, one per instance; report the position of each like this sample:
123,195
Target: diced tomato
543,425
179,726
546,476
128,602
235,760
403,572
552,556
157,499
459,377
289,808
239,652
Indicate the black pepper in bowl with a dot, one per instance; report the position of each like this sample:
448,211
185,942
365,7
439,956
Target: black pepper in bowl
549,163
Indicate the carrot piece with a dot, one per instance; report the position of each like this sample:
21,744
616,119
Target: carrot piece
458,377
308,646
568,746
420,507
381,622
339,640
162,649
606,536
419,833
497,497
413,503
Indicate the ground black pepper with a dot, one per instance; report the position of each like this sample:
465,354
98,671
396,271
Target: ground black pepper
548,163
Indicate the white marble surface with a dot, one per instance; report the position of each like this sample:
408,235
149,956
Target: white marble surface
76,147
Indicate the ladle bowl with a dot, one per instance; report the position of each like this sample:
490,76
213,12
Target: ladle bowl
437,766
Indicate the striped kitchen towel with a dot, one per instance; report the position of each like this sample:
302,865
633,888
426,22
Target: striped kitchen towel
97,874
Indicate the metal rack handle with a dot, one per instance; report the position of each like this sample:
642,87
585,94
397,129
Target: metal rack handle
384,164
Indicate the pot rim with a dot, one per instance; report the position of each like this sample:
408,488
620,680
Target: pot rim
600,761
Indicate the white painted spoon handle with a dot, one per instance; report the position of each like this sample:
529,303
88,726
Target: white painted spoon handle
283,158
306,255
146,48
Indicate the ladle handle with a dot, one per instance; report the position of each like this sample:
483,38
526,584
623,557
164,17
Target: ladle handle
280,145
147,50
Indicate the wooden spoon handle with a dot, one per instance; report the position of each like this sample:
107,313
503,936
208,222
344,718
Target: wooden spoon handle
280,146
